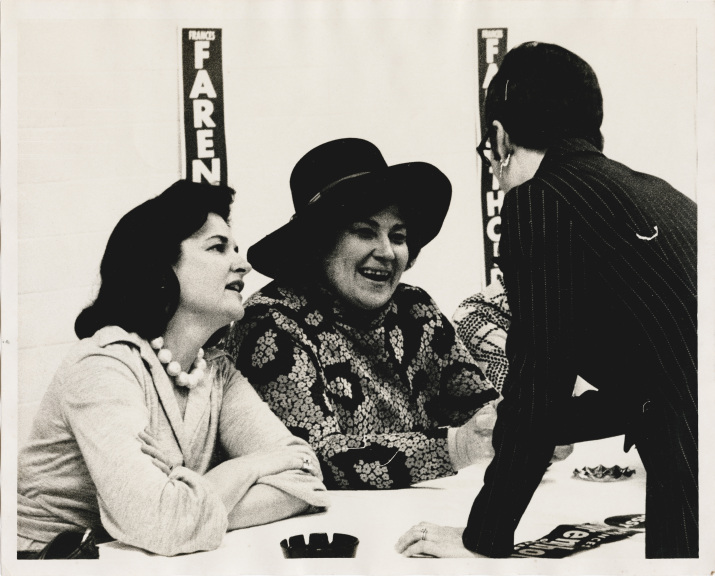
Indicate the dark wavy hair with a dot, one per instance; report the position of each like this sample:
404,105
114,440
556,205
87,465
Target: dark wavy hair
543,93
139,290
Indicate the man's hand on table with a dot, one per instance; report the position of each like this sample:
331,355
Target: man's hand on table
430,540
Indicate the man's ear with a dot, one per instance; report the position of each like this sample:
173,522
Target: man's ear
502,142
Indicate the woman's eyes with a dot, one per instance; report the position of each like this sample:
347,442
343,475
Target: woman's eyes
368,233
364,232
219,248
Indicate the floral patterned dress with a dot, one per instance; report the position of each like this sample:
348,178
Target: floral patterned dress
372,392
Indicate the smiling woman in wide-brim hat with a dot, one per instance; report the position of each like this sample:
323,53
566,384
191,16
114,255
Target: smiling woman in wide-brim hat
363,366
340,181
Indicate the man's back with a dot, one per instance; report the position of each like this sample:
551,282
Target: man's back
596,290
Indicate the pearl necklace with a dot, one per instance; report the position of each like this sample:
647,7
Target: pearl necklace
173,368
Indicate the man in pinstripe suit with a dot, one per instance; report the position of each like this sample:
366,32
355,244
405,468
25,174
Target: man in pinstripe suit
599,264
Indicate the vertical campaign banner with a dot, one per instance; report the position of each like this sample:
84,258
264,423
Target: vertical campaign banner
204,136
491,44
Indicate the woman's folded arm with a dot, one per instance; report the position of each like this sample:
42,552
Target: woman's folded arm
271,459
139,504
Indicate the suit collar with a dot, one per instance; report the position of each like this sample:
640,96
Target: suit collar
568,146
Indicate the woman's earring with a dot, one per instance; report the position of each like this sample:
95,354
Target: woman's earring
503,164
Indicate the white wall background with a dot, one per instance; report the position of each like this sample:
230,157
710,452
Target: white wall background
97,130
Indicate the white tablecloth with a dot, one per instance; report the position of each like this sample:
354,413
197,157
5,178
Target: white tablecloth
378,518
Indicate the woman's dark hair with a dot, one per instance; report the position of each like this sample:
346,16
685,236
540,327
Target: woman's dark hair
139,291
542,93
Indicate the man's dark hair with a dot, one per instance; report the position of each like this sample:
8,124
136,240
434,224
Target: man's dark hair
543,93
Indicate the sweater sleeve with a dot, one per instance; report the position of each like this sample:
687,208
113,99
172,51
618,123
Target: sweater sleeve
247,425
288,376
540,262
140,505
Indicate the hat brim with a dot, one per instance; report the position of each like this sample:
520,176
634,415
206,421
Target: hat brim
421,191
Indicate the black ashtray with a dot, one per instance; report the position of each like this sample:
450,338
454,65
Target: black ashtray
318,546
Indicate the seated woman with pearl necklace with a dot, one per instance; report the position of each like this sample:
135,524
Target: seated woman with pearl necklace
143,435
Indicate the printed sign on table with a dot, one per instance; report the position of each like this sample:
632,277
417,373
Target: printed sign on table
567,539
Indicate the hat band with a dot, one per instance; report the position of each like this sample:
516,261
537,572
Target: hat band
332,185
315,198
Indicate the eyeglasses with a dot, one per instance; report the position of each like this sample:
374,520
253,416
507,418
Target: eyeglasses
485,147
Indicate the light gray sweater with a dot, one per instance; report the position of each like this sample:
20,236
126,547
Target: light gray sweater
83,463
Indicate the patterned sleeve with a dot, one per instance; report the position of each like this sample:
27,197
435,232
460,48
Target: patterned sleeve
482,322
463,385
287,375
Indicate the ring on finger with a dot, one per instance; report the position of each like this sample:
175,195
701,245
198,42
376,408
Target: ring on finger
306,464
424,534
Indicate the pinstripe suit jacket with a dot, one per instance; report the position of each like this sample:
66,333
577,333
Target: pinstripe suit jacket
599,264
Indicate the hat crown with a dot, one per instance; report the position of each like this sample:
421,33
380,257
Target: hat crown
340,181
330,163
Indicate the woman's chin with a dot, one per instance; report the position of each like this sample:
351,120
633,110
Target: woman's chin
373,302
229,316
238,315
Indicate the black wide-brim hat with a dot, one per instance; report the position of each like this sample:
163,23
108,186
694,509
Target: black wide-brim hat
348,179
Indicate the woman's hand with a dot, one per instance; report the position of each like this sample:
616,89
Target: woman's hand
150,447
277,460
562,452
431,540
233,478
472,441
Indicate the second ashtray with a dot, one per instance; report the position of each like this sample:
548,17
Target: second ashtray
602,474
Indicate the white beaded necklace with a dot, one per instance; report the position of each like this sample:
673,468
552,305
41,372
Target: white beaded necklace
173,368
